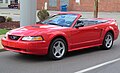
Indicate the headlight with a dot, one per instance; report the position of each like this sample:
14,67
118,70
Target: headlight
32,38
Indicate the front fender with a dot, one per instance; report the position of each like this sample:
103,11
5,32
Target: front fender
58,33
50,36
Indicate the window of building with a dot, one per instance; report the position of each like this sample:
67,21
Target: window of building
6,1
52,3
1,1
64,2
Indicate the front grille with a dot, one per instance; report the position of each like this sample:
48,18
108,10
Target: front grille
13,37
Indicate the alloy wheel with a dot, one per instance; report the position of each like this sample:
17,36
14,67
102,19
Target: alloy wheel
58,49
108,41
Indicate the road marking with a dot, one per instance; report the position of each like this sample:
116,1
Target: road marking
97,66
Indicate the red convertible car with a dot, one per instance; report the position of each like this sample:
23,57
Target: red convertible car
60,34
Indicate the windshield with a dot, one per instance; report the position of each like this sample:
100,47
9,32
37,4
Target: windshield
64,20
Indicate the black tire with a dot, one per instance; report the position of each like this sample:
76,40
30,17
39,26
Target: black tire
51,52
104,44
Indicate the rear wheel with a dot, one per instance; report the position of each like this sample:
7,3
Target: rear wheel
108,41
57,49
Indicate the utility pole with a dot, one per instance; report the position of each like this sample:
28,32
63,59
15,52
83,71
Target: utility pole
95,8
27,12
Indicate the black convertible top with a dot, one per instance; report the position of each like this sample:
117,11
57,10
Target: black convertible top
92,21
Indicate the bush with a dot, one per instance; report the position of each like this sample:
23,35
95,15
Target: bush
2,19
43,14
9,19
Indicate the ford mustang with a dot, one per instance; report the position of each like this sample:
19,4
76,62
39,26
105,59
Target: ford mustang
60,34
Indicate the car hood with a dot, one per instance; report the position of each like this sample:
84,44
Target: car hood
35,30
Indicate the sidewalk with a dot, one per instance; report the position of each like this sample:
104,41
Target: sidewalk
15,14
1,47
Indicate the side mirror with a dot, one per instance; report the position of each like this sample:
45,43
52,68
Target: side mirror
79,25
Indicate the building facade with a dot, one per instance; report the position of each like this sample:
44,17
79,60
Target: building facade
81,5
73,5
5,3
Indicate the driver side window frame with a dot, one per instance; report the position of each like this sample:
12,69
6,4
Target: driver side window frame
79,21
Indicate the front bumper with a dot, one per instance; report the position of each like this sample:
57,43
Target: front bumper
27,47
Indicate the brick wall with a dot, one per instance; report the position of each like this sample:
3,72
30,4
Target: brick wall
40,4
85,5
109,5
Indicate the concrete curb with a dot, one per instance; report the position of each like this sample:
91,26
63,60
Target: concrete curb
1,47
2,50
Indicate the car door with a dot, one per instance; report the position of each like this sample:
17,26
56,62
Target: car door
85,36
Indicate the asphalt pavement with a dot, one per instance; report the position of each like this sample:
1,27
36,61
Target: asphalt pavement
11,62
91,60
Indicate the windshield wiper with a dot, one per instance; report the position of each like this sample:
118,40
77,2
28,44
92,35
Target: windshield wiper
53,23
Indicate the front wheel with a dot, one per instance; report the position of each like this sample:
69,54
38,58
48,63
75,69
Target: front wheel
108,41
57,49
